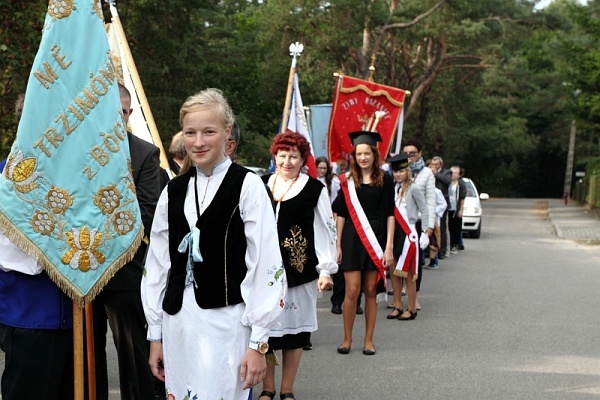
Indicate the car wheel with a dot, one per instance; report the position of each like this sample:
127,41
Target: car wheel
477,233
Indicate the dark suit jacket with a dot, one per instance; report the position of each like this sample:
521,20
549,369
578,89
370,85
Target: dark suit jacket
462,193
443,178
146,171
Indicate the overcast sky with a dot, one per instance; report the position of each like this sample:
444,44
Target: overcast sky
544,3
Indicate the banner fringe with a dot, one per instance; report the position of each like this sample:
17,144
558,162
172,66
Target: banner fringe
28,247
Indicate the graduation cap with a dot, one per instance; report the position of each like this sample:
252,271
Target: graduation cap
398,162
364,137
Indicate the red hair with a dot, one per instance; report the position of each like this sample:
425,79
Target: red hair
287,141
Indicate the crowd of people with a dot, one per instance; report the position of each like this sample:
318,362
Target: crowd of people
235,264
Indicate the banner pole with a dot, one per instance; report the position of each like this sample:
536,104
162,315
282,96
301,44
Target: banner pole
90,352
139,89
78,382
295,51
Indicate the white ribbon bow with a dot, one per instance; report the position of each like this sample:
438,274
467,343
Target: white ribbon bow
191,244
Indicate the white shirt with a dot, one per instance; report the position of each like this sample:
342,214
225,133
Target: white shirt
262,252
13,258
335,187
300,310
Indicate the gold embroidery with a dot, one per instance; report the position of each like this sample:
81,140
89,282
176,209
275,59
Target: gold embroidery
21,170
296,246
60,8
108,199
123,222
98,8
42,222
58,200
82,253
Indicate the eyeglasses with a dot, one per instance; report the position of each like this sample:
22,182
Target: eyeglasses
412,153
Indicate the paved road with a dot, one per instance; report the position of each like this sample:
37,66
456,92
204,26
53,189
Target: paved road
514,316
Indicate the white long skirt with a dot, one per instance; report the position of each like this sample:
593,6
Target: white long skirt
203,351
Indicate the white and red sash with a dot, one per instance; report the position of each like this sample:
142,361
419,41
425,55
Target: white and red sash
408,260
363,227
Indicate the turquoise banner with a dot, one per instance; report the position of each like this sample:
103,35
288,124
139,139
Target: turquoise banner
66,194
318,124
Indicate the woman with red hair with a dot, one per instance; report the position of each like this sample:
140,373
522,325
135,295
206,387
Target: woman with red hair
306,232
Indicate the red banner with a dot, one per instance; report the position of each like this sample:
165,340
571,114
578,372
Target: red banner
355,105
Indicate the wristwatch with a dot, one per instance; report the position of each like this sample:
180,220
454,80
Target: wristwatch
261,347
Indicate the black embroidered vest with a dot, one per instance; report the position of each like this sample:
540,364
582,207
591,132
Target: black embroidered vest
222,245
295,227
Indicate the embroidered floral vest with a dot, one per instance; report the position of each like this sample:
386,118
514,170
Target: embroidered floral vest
295,227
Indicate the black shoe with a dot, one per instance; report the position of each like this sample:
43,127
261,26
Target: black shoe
343,350
412,316
369,352
308,346
268,394
359,310
441,256
461,247
336,309
396,310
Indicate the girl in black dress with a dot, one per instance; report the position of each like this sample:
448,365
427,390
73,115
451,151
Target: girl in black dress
365,226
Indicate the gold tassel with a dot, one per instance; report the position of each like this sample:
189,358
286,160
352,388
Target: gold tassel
272,360
400,273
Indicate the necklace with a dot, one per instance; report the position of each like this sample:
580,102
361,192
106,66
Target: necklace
286,192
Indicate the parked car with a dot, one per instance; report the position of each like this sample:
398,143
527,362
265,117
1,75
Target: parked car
472,212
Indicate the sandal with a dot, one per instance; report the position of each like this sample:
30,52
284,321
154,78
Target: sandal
395,316
283,396
411,316
268,394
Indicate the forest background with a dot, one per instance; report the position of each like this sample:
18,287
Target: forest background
496,84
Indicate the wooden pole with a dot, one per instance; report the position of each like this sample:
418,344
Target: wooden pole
295,51
91,356
78,352
139,89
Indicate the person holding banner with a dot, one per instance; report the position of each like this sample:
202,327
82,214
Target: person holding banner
214,284
120,303
410,201
36,332
365,226
307,243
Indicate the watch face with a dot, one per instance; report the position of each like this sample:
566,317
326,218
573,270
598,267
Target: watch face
263,347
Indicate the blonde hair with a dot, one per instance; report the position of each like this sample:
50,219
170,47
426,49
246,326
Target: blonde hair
207,98
405,186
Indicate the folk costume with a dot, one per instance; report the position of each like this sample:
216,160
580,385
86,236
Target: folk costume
214,279
307,241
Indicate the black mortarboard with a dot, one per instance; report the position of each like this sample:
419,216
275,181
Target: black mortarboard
398,162
364,137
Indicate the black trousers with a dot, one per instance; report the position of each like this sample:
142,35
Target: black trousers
38,363
421,253
444,233
124,312
455,228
